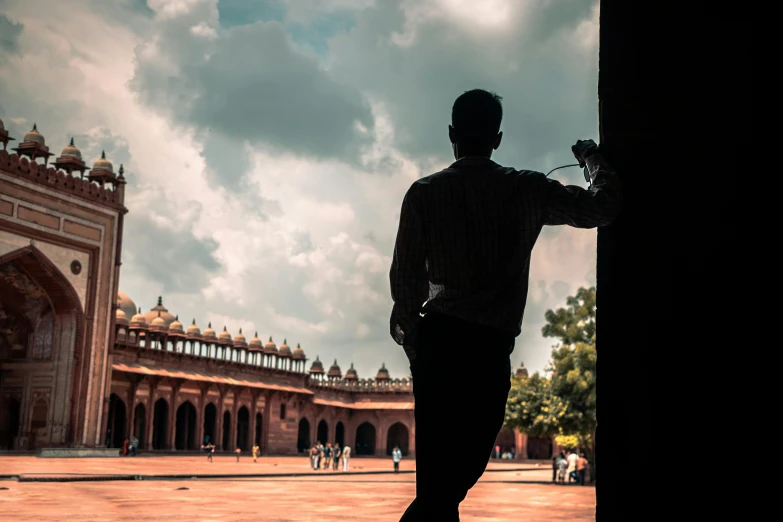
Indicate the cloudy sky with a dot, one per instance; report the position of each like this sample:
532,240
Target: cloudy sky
268,143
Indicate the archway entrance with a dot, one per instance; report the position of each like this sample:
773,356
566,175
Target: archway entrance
539,448
41,321
9,422
243,424
115,427
397,436
210,418
339,434
365,439
257,434
139,420
323,432
226,430
303,437
185,437
160,424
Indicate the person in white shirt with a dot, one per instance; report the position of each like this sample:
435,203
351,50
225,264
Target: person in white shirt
346,458
572,459
396,457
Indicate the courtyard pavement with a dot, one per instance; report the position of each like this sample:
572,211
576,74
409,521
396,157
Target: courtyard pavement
273,489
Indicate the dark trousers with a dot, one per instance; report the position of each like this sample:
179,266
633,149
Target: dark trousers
396,467
581,474
461,376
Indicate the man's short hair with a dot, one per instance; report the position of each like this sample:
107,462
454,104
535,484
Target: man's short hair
476,116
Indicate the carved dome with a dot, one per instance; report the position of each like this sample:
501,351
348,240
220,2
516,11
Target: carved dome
335,371
176,327
351,374
239,340
120,317
317,366
35,136
126,304
71,151
284,350
160,311
138,320
224,336
158,323
383,374
521,371
193,329
299,354
209,333
255,344
270,347
103,164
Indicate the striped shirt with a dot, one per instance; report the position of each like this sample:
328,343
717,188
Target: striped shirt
466,233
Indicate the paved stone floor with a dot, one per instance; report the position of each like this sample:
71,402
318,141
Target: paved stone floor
509,491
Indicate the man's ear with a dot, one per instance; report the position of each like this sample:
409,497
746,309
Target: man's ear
452,134
497,141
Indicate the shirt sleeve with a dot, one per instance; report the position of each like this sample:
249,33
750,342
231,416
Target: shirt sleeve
585,208
408,274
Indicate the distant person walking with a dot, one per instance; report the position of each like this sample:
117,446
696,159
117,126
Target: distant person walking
256,452
555,466
336,456
462,258
134,445
396,458
346,458
572,458
562,466
581,468
125,447
209,449
328,456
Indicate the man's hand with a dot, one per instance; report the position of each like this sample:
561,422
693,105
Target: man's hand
583,149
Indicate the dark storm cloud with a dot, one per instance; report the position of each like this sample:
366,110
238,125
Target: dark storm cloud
533,68
9,35
248,84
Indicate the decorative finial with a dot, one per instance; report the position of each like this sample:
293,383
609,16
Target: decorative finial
176,317
270,338
224,328
71,144
103,154
285,340
35,127
158,313
194,321
122,170
335,361
209,325
256,333
139,310
352,366
297,345
160,300
240,330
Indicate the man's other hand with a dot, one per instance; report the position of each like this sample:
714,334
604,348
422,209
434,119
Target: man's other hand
583,149
410,351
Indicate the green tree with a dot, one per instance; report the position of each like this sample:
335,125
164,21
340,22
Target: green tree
532,407
575,323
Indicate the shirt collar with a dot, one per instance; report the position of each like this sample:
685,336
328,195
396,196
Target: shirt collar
472,161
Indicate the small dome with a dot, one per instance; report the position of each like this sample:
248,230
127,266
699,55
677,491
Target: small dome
351,374
194,330
138,320
383,374
103,164
71,151
209,333
160,311
120,317
159,323
126,304
224,335
317,366
521,371
239,340
335,371
255,344
35,136
270,347
176,327
285,350
299,354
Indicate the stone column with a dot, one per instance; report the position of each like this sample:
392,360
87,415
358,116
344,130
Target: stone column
172,421
252,425
520,444
150,415
265,421
219,421
232,438
380,440
130,417
200,417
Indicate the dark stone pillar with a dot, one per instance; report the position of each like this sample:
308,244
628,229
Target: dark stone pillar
674,90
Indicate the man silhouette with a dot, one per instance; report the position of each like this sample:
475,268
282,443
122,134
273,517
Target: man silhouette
463,247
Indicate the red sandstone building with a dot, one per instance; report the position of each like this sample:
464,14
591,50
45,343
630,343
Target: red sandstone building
81,366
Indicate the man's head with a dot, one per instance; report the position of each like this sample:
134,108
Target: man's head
475,123
582,455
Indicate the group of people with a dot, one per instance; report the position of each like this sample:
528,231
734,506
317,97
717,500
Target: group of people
573,466
329,456
209,449
130,446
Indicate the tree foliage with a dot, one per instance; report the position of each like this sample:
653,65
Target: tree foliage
565,403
